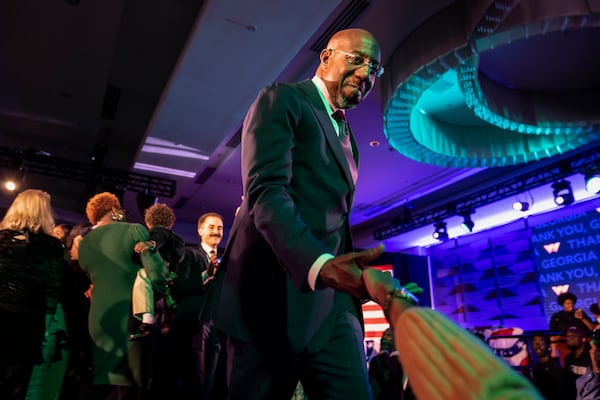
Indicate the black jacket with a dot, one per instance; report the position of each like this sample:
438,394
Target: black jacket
32,266
188,289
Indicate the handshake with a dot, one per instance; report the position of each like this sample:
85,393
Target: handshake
347,273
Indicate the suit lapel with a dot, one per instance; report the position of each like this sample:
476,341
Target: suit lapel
309,89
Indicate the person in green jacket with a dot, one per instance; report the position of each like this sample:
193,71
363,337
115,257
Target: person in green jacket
107,254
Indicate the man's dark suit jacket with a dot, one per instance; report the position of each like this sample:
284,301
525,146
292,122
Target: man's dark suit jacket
188,290
298,192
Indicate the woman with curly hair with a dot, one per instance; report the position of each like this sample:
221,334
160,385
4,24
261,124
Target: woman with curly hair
564,319
31,269
120,367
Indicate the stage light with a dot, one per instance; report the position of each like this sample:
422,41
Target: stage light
521,206
592,181
523,202
440,233
467,224
10,185
563,193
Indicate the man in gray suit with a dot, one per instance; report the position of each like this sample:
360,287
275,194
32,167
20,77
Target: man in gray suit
280,292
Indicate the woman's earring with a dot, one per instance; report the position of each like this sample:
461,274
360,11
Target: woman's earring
117,215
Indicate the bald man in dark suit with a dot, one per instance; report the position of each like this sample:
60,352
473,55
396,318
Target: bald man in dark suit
280,293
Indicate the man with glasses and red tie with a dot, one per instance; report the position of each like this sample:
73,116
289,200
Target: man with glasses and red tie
289,286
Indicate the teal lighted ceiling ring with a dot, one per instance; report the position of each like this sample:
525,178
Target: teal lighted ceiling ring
500,141
417,135
554,113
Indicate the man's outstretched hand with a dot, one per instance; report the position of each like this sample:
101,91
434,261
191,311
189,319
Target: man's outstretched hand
344,272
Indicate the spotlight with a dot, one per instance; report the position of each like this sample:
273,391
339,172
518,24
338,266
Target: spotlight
521,206
592,181
440,232
523,202
10,185
467,224
563,194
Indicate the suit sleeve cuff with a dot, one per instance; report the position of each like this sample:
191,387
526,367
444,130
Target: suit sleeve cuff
315,269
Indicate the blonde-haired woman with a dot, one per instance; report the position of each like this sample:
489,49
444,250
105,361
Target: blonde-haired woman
31,270
121,368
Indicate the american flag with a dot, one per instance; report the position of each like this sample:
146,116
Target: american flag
375,322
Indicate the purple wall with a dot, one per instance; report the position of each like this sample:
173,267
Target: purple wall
504,276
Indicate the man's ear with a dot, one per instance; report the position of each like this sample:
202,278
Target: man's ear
324,56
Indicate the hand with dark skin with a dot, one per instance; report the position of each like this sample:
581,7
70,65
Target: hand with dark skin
581,316
344,272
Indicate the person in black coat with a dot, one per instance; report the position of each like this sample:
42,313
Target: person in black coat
569,316
195,343
385,372
564,319
32,267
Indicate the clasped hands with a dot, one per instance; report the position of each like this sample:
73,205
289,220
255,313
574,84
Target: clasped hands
348,273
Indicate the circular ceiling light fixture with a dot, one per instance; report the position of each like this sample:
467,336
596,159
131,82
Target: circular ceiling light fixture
504,126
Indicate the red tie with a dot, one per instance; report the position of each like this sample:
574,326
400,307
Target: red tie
344,136
213,257
214,263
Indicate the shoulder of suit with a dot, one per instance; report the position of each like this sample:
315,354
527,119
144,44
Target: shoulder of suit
307,86
289,86
196,250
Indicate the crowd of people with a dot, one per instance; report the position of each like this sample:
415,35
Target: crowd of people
568,359
147,317
87,304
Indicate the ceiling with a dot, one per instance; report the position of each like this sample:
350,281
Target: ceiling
134,85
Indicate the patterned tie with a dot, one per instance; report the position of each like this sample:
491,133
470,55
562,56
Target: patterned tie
214,263
344,136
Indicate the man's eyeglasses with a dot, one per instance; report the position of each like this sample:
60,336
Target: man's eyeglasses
356,59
